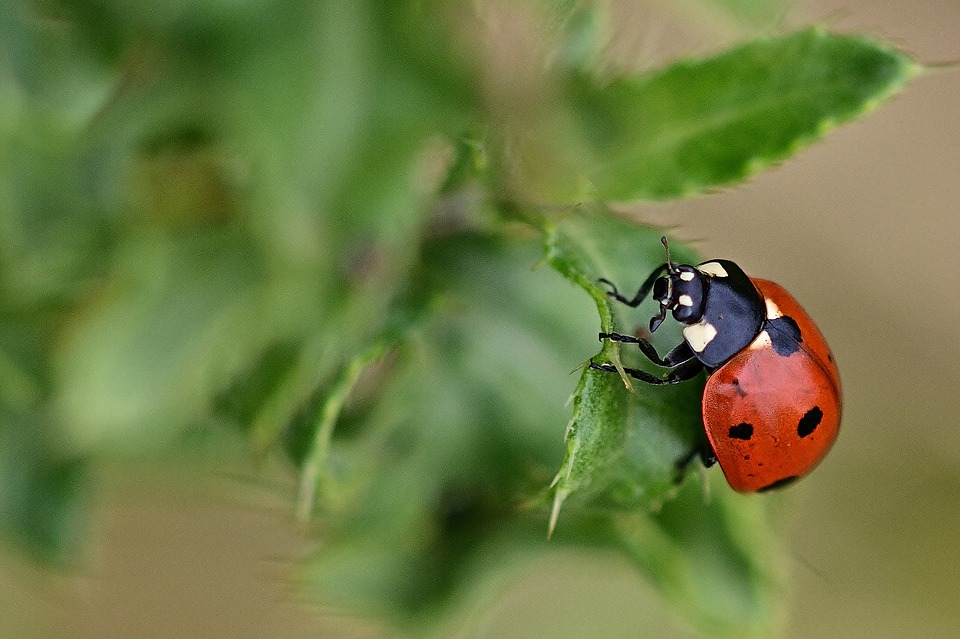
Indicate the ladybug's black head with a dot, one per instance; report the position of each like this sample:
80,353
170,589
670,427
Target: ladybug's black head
682,290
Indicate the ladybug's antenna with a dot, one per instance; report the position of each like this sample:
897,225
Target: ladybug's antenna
666,249
670,267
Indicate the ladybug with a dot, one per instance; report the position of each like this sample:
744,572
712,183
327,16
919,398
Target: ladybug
772,401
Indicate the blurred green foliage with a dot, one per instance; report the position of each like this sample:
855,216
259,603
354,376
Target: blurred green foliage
314,224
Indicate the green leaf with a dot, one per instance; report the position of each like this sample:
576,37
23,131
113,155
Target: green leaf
42,495
314,465
717,559
701,124
580,28
42,492
144,359
750,11
429,489
42,64
622,448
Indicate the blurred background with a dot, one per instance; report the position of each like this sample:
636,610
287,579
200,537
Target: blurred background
861,227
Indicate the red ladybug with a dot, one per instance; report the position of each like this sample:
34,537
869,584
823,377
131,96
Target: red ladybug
772,401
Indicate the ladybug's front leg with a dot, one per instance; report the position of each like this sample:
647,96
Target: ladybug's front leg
687,370
642,293
678,355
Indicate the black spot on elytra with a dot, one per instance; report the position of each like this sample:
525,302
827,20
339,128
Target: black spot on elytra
810,421
780,483
784,335
742,430
738,388
830,356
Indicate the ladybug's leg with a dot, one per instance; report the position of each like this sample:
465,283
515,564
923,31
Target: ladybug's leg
703,451
641,293
680,354
683,372
643,376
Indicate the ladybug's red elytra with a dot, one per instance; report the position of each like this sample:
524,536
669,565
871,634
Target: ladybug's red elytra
772,400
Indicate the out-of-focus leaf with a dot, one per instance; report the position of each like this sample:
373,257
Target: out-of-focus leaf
701,124
435,487
759,12
470,164
579,26
42,63
42,495
54,239
42,491
347,103
717,559
144,359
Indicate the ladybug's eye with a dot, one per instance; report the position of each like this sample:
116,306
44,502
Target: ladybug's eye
661,290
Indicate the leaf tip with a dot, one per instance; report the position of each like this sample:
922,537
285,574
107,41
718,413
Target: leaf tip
558,497
561,483
919,69
827,125
627,382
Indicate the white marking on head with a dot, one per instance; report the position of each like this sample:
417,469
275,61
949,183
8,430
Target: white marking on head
686,276
685,300
713,268
773,311
699,335
761,341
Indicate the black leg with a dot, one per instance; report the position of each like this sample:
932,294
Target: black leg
703,451
682,464
678,355
707,457
643,376
683,372
641,293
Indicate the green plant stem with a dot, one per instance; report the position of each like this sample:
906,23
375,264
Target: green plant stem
320,447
